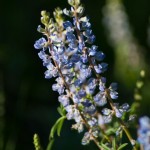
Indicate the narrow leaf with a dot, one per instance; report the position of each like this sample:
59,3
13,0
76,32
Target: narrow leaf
60,126
122,146
60,111
105,147
55,126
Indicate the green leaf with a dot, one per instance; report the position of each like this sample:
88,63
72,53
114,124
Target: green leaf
60,126
122,146
61,110
104,147
57,127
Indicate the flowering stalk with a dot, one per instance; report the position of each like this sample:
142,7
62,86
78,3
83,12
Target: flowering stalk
79,117
98,76
70,56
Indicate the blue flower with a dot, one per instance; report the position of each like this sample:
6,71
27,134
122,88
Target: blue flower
119,110
86,103
91,110
71,37
113,93
99,56
73,113
91,85
86,138
107,119
59,86
87,33
106,111
144,132
86,25
75,58
113,86
51,72
85,72
64,100
102,84
91,39
100,99
81,94
45,58
39,44
101,68
67,24
93,122
93,50
78,126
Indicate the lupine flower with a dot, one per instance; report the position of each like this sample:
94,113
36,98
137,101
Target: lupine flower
86,138
113,93
77,65
119,110
144,132
39,44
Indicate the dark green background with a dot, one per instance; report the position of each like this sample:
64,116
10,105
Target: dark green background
30,104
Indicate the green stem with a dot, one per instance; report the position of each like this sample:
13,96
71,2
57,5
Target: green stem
125,129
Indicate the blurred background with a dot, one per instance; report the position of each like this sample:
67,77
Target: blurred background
27,102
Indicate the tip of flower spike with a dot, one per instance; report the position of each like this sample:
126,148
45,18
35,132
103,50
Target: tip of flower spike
45,13
74,2
57,11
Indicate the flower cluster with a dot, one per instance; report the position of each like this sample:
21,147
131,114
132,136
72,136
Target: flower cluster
144,132
69,54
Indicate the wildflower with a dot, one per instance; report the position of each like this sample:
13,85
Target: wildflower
144,132
39,44
77,66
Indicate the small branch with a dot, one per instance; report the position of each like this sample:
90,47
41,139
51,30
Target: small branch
132,141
